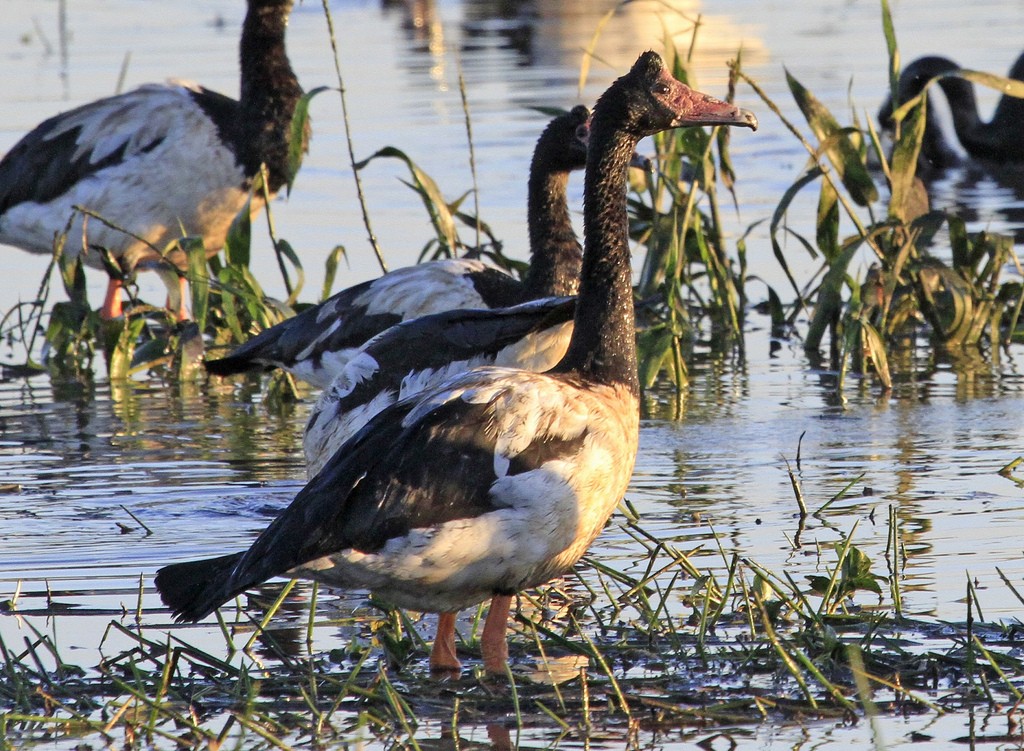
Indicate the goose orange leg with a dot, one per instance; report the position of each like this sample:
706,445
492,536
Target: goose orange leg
182,313
494,643
442,654
113,307
112,301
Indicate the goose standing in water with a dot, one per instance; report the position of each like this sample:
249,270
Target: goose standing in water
422,352
499,479
316,344
160,162
1000,139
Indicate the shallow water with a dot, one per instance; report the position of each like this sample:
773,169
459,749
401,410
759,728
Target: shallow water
205,466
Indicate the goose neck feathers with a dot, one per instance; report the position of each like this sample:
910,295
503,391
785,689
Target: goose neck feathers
555,254
270,91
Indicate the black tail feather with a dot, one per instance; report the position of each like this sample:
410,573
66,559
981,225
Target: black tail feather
232,364
194,589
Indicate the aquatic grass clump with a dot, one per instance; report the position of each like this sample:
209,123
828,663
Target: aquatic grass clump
961,301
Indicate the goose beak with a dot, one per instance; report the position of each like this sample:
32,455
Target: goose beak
749,119
707,110
697,108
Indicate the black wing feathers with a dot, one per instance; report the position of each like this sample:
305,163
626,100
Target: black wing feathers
40,169
541,452
381,484
496,288
387,480
433,342
393,479
284,343
225,114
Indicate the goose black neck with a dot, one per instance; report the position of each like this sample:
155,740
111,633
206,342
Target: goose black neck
935,149
269,89
997,139
555,253
963,106
603,345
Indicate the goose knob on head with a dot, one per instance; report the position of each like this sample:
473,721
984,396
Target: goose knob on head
997,140
499,479
316,344
157,163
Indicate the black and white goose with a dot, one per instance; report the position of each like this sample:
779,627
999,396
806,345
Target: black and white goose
999,140
160,162
422,352
316,344
499,479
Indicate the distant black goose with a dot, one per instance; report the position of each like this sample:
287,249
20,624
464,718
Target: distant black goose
162,161
499,479
1001,139
316,344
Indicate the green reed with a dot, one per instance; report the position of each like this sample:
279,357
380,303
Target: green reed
960,305
692,284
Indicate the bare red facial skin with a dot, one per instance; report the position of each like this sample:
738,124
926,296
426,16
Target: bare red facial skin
696,108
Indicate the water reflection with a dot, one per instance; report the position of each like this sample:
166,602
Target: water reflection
986,196
719,476
550,35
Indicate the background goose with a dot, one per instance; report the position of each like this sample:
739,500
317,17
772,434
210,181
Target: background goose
316,344
160,162
424,352
499,479
1001,139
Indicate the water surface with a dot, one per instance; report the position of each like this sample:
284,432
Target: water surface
204,466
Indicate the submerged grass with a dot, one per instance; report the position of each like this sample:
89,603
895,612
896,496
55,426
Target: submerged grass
615,659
